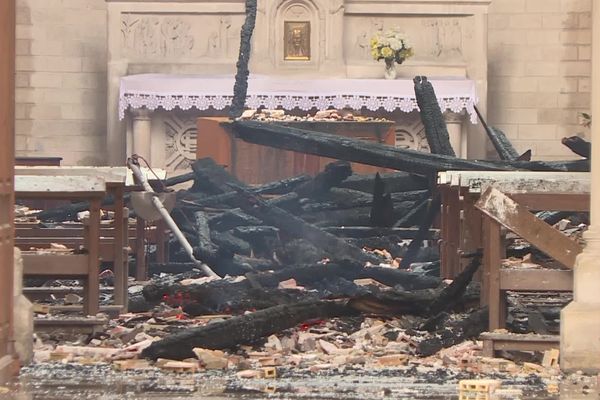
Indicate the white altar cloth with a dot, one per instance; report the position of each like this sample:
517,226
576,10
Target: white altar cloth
185,92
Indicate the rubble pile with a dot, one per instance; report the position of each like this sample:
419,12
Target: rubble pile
319,116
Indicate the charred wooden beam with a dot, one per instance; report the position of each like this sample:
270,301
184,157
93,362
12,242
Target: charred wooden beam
216,295
416,213
355,150
455,331
394,182
240,88
280,187
333,174
578,145
367,231
246,329
212,178
430,216
503,146
205,248
336,247
382,208
432,118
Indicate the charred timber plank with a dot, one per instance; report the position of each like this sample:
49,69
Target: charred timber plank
503,147
430,216
564,166
382,208
453,292
336,247
415,214
579,146
432,118
204,245
230,219
212,178
280,187
333,174
507,212
367,231
454,332
245,329
215,295
339,199
394,182
344,148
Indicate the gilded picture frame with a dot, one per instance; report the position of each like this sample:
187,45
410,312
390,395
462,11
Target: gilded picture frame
296,41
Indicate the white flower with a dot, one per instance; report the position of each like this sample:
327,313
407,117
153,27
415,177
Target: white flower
395,44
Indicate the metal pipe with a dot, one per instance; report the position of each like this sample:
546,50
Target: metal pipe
137,172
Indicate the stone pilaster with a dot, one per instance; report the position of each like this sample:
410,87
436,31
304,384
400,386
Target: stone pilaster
142,134
580,320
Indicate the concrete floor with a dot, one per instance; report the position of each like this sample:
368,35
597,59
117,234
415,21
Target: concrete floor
77,382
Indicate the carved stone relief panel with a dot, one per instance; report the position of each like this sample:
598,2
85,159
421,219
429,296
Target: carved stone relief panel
181,133
155,36
410,133
433,38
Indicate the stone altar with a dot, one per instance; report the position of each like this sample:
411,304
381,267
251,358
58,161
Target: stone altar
202,37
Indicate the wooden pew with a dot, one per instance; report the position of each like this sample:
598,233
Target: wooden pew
83,267
503,202
115,179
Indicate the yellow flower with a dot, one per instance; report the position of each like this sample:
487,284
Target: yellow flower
375,53
387,52
374,42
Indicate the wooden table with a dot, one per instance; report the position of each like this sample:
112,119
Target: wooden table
75,266
256,164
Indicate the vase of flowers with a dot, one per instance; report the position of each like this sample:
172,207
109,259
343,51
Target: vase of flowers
393,47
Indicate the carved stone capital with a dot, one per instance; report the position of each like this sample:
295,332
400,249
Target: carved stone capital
141,114
454,118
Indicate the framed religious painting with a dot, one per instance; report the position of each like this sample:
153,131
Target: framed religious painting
296,41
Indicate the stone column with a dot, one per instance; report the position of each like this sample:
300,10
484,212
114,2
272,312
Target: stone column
454,123
580,320
142,134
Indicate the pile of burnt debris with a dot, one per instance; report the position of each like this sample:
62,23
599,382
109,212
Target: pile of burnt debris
303,253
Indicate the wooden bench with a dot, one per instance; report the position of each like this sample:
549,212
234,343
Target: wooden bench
83,267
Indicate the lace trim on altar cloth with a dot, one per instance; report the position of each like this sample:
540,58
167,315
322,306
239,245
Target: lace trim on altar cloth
305,103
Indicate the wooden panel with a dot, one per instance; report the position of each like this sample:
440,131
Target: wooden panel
536,280
7,101
55,264
519,220
260,164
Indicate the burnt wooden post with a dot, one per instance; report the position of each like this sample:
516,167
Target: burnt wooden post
241,78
